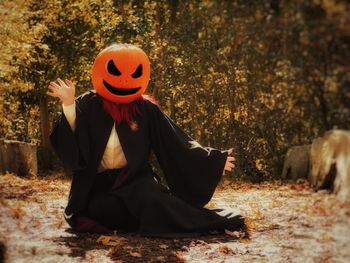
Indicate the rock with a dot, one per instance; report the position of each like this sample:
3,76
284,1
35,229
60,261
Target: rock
296,163
322,173
330,162
18,157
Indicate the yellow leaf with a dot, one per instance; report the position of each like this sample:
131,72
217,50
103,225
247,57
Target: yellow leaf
244,241
211,205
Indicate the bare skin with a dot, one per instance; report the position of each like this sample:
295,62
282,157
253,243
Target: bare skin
229,165
65,91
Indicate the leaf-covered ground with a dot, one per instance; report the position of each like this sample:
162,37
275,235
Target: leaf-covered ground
288,223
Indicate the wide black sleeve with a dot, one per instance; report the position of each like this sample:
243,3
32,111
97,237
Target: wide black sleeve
72,148
192,171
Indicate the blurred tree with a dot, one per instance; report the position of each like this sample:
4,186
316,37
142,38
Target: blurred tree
259,76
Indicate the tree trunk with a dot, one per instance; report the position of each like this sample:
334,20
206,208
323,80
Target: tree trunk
173,9
197,134
18,157
159,23
46,152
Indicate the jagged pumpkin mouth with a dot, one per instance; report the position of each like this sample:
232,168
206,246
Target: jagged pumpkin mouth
120,91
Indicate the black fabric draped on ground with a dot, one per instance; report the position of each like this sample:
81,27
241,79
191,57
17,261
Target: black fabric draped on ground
133,200
147,207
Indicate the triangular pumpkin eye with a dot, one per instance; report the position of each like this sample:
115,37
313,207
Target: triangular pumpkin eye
138,72
112,69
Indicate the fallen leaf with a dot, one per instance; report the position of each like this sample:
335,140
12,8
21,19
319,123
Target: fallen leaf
224,249
161,259
252,225
18,211
36,223
179,256
110,240
244,241
298,188
163,246
21,228
43,207
3,202
211,205
114,250
104,240
236,234
258,214
274,226
59,223
135,254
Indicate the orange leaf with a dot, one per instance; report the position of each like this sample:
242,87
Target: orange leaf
17,212
109,240
224,249
135,254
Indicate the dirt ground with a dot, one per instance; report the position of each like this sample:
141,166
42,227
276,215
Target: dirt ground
288,223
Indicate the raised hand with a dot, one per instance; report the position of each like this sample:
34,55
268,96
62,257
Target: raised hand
64,90
229,161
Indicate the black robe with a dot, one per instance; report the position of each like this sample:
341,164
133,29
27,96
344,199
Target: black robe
192,172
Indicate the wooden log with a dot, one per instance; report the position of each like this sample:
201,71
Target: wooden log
330,160
296,163
18,157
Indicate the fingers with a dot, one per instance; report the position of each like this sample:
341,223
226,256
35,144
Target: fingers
53,90
52,94
230,158
54,85
64,90
62,83
229,166
69,83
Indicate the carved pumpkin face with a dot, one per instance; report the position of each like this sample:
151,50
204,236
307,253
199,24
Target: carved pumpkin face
121,73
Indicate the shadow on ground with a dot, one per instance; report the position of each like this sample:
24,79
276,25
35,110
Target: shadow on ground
134,248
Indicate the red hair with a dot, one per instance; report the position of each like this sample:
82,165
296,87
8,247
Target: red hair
126,111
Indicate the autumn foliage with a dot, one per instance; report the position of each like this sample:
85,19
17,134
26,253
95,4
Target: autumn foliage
258,76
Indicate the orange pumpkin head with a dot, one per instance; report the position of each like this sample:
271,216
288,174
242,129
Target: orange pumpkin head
121,73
